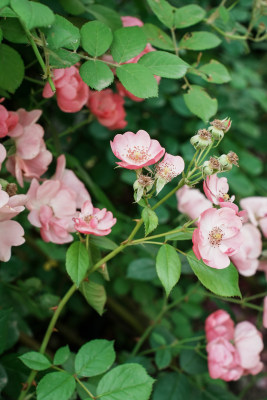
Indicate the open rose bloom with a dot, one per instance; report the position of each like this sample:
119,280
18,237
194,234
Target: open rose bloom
233,351
192,202
217,237
216,189
136,150
257,211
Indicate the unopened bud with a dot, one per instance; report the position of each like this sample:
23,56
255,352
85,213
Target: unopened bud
206,168
202,139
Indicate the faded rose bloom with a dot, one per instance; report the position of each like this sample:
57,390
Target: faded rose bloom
136,150
8,120
31,158
71,91
108,108
94,221
192,202
249,344
216,189
54,203
257,211
246,259
223,360
217,237
219,324
11,232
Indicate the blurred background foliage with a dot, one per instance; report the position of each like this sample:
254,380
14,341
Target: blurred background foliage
35,278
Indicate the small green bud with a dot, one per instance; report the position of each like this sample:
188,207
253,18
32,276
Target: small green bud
225,164
206,168
202,139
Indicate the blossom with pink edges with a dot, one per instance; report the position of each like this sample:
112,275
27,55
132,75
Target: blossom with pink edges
54,203
11,232
192,202
71,91
2,155
31,158
249,344
8,120
257,211
217,237
170,167
246,259
108,109
94,221
223,360
219,324
264,317
136,150
216,189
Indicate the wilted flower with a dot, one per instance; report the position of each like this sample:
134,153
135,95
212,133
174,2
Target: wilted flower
94,221
228,160
202,139
219,127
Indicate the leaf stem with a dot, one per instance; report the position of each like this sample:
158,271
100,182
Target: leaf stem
84,388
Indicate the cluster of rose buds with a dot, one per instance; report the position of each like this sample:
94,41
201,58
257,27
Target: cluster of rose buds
233,351
138,151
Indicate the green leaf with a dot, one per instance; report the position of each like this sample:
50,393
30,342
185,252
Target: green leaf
35,360
4,322
12,30
62,34
96,74
55,386
150,220
61,355
142,269
138,80
74,7
188,16
103,242
223,282
4,3
200,103
168,266
95,358
96,38
105,15
191,362
1,35
7,12
11,68
163,358
3,378
129,381
199,41
95,295
164,64
62,58
41,16
128,42
174,386
164,11
157,37
23,9
214,72
77,262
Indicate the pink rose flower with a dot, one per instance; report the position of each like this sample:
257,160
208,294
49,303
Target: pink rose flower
192,202
136,150
216,189
8,120
249,344
170,167
246,259
31,158
54,203
94,221
2,155
219,324
131,21
257,211
72,92
217,237
264,318
223,360
108,108
11,232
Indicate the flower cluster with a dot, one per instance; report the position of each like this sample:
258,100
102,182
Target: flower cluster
72,93
137,151
233,351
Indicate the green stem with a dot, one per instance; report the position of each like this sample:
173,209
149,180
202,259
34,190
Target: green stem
241,302
192,161
28,78
144,239
256,296
84,388
174,41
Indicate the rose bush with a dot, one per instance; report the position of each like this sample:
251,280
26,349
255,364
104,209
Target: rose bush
133,200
